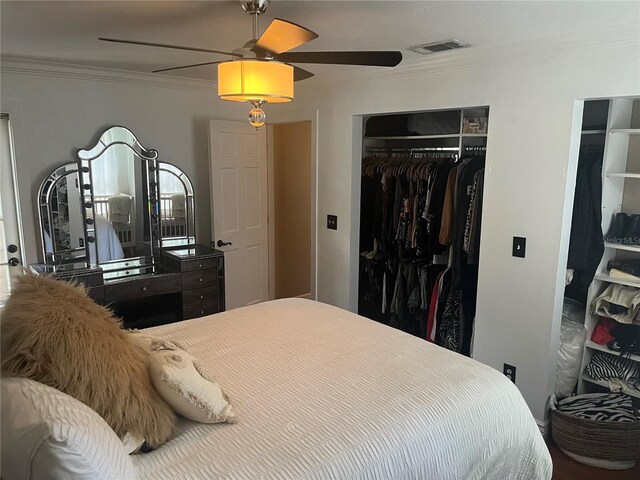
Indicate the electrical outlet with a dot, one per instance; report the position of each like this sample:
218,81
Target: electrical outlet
519,246
332,222
510,372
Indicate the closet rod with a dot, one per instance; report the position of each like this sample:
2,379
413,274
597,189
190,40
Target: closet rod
472,148
415,149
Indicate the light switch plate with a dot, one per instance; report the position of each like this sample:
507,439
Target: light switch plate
519,246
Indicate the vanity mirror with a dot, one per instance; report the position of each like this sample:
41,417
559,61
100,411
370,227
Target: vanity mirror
122,223
116,206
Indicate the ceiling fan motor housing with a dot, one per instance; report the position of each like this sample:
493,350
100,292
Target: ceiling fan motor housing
255,7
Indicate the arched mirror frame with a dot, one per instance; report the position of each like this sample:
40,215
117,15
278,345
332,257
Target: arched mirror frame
50,185
82,168
151,184
189,235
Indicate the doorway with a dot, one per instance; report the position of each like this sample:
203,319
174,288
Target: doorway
291,213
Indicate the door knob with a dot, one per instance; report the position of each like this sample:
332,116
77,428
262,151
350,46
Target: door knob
14,262
223,244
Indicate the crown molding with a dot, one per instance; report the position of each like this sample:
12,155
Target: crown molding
621,36
22,66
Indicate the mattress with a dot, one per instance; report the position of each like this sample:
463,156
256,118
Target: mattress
322,393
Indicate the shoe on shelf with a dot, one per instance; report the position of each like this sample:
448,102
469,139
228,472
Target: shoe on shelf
632,234
618,228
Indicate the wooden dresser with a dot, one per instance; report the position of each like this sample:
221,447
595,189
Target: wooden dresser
202,272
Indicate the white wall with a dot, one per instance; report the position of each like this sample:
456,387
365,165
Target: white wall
529,182
56,110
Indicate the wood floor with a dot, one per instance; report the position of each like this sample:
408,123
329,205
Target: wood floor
564,468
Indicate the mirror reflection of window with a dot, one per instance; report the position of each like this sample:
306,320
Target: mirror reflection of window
173,203
114,193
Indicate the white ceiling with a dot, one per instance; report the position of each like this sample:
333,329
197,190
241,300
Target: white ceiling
67,31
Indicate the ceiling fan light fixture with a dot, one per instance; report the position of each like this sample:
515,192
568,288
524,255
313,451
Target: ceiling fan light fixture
249,80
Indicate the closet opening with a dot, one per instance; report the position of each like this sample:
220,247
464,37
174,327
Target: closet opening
601,314
421,190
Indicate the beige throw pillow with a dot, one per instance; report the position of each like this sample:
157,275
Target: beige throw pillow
54,334
183,384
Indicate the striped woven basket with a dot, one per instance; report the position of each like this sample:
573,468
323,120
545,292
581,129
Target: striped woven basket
613,445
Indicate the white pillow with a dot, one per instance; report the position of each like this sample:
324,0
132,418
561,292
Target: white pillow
182,383
49,434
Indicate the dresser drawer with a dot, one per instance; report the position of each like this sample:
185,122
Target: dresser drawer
199,279
144,286
199,296
196,303
202,264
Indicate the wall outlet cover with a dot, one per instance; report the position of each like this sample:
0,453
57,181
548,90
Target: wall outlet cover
332,222
510,372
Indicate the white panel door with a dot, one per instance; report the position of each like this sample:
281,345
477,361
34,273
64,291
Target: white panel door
238,167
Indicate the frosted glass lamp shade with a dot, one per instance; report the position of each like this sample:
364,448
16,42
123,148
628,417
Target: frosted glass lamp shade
255,81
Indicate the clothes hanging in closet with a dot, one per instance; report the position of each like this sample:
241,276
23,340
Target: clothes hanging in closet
413,210
586,245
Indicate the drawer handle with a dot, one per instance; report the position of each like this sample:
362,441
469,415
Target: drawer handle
201,297
201,312
144,289
199,265
201,279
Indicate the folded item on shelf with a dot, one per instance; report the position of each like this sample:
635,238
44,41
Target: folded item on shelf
619,302
619,371
602,333
615,273
631,267
624,229
626,339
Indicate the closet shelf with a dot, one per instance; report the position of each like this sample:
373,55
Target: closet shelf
602,383
623,174
627,131
603,348
622,246
593,132
418,137
604,277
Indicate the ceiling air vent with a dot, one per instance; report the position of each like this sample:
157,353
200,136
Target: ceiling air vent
429,48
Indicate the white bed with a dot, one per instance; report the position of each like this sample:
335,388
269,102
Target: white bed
323,393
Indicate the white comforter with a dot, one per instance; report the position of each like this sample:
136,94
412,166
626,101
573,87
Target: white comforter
323,393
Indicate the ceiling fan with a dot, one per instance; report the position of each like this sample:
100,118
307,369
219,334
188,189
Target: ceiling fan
261,71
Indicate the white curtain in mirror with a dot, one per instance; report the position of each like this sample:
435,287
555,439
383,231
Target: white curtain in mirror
113,172
169,183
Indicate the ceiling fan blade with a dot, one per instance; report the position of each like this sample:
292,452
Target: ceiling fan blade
281,36
185,66
164,45
300,74
377,59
